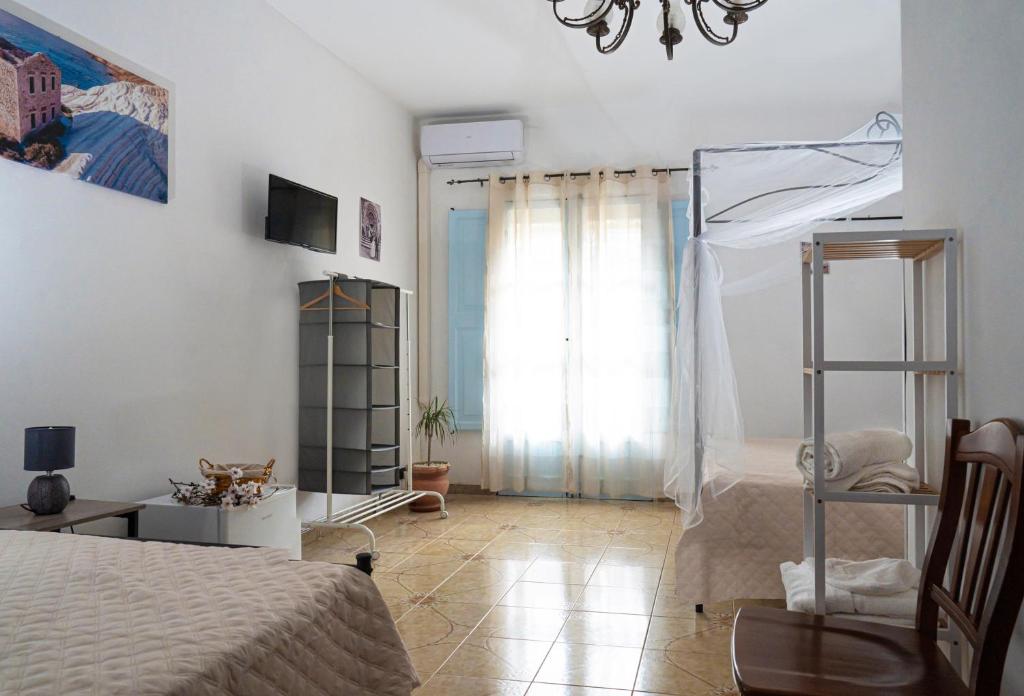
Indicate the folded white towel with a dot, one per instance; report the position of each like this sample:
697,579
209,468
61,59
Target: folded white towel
867,460
886,587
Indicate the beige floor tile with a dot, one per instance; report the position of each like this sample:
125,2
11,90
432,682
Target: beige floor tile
417,564
647,539
659,673
482,580
686,635
664,671
452,547
633,557
595,628
541,595
560,572
514,550
569,553
616,600
539,689
610,575
479,530
497,658
531,535
676,633
431,625
523,623
583,537
445,685
590,665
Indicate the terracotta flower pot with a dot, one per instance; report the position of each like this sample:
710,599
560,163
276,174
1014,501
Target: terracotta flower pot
429,477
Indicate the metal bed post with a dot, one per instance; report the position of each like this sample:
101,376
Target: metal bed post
696,209
818,414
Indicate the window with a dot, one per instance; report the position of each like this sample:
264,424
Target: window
42,114
31,84
467,236
53,112
53,82
42,83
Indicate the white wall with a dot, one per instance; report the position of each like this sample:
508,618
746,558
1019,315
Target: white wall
964,96
168,332
764,328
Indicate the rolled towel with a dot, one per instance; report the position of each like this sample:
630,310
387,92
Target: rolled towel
883,576
848,453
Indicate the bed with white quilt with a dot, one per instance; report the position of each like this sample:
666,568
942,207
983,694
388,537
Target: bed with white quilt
92,615
756,525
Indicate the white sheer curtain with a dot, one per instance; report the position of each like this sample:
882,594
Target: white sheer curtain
752,196
577,335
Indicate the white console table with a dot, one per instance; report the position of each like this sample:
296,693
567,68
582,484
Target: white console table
274,522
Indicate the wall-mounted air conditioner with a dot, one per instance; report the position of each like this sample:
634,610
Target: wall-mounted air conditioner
480,144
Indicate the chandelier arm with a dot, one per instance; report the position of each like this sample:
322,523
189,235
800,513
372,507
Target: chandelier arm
734,6
585,21
705,28
628,7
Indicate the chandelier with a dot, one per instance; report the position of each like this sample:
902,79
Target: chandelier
600,15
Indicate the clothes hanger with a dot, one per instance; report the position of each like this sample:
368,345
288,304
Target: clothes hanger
358,305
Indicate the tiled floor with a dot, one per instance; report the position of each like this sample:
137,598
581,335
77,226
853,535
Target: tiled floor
543,597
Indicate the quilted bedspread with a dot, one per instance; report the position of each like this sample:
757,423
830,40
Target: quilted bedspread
750,529
93,615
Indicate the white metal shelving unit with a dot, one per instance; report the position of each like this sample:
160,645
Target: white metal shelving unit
356,516
914,246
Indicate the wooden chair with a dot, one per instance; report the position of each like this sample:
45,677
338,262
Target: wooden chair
979,539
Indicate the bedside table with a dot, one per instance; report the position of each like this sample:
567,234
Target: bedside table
78,511
274,522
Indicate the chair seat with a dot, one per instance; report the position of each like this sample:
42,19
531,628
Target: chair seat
782,652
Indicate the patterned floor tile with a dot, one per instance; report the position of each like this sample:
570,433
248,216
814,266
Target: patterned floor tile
590,665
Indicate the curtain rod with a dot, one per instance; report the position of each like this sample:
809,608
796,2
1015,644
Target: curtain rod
560,175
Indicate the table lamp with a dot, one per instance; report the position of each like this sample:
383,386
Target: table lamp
49,449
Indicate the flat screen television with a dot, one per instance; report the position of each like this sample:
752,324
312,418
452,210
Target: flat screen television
301,216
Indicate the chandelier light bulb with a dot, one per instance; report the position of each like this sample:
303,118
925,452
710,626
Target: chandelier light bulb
676,18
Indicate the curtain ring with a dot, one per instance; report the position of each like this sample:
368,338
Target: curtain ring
572,177
632,174
547,178
616,175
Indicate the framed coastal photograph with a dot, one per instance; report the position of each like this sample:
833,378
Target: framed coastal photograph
66,109
369,229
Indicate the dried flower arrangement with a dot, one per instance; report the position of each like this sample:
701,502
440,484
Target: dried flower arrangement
205,493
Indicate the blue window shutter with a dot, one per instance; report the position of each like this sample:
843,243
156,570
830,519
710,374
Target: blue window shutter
680,233
467,238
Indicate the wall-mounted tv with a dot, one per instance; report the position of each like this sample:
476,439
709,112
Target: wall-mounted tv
301,216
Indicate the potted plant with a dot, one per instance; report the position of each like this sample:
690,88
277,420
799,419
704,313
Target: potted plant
437,421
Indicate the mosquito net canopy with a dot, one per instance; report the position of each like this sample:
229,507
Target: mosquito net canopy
746,197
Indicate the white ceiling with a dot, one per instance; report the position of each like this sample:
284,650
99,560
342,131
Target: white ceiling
800,69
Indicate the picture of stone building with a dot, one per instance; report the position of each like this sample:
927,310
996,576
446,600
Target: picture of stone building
30,88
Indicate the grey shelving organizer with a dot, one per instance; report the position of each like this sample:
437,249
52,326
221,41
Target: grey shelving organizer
350,401
366,413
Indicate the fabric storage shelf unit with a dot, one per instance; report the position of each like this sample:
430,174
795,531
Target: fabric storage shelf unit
364,376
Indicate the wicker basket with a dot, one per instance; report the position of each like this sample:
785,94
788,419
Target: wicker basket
220,473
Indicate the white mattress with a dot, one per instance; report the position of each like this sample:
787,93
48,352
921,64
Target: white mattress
91,615
758,523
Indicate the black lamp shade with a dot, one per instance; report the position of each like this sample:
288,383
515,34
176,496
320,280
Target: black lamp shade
49,448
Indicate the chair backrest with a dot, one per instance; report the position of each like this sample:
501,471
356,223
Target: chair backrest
974,570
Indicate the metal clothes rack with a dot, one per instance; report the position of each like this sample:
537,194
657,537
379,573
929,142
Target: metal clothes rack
915,246
356,516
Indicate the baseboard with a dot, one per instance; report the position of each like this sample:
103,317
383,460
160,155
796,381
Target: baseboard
467,489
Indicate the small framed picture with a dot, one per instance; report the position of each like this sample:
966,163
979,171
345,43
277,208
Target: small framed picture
369,229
